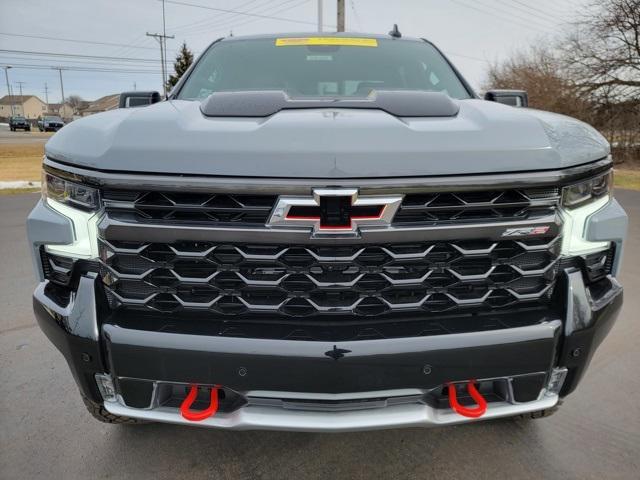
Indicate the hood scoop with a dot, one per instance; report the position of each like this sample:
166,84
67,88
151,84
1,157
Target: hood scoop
400,103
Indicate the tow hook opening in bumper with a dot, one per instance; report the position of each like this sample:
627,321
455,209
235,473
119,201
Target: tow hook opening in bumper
476,412
221,407
199,415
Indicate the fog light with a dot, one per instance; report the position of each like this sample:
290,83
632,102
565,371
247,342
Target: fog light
556,380
105,385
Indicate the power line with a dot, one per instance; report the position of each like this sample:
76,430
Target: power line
257,15
527,19
264,9
469,57
72,40
216,19
77,68
493,15
108,63
76,55
533,13
250,20
228,23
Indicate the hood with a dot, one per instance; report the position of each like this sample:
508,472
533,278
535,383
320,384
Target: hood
175,137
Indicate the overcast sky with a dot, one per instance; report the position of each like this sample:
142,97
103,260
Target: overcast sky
471,32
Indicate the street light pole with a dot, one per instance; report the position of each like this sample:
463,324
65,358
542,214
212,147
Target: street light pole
6,76
161,38
61,85
340,15
46,95
21,98
320,16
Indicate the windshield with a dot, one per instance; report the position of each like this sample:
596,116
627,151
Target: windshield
351,68
18,119
53,119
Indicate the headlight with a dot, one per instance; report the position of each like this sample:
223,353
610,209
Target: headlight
69,193
590,190
81,205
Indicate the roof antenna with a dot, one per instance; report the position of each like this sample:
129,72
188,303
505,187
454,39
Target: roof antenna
395,33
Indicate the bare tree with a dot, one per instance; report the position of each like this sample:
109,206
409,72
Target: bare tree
592,73
539,72
602,54
75,101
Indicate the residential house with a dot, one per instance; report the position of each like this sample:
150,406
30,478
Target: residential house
64,111
28,106
109,102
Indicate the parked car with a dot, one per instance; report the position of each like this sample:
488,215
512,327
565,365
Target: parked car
50,123
19,123
326,233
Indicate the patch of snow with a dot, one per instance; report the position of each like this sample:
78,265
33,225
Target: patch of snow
19,184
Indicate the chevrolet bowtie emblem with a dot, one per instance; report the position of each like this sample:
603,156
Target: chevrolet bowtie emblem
337,353
331,212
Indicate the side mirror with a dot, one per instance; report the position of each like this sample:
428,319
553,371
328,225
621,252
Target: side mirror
138,99
515,98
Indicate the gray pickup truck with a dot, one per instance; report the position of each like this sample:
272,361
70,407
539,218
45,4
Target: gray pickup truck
326,233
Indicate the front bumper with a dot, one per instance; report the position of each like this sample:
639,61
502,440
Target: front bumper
322,385
275,418
137,361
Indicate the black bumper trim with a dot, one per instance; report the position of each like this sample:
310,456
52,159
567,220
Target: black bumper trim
297,366
588,321
364,365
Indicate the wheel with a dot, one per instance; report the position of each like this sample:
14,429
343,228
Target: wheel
12,129
27,129
98,412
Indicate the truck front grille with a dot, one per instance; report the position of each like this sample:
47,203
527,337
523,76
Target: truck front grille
417,208
181,207
320,281
477,205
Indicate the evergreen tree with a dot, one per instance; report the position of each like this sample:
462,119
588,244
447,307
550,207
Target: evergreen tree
183,60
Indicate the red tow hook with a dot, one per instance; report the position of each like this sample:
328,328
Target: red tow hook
197,416
465,411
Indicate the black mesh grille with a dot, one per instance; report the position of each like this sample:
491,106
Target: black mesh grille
416,208
474,206
185,207
321,281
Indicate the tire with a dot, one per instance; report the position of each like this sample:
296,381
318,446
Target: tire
98,412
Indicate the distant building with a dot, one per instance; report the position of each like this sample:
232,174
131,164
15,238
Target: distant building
64,111
109,102
28,106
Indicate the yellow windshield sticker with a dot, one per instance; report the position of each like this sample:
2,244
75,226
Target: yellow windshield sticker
339,41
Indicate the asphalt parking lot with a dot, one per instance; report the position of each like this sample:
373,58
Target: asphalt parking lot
45,432
20,136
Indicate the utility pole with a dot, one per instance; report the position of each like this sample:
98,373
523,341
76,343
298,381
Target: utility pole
6,76
61,84
341,15
161,40
134,86
21,99
46,95
164,50
320,16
